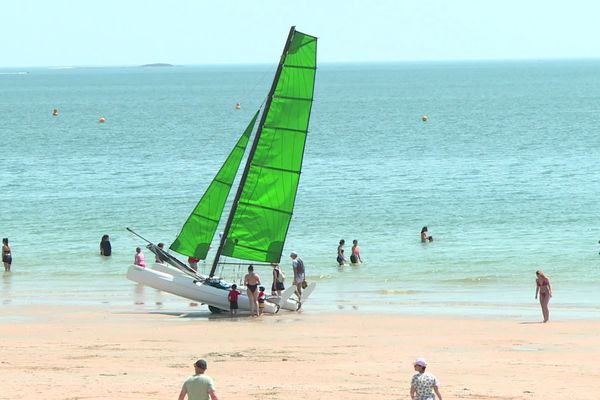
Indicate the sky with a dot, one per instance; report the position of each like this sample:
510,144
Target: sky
133,32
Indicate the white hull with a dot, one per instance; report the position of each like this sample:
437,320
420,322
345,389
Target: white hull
179,284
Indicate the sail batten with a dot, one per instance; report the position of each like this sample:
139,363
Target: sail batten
196,234
286,129
257,228
293,98
277,169
300,66
266,208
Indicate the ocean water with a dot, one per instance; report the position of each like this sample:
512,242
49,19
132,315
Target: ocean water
504,173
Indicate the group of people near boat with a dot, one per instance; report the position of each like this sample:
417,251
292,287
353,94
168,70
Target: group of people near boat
256,293
354,256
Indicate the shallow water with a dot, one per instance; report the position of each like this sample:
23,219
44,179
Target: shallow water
504,173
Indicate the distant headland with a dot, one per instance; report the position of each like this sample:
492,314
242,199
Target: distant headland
158,65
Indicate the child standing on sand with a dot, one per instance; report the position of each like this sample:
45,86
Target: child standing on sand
261,300
233,300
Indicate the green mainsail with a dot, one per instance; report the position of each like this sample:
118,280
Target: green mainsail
262,214
197,232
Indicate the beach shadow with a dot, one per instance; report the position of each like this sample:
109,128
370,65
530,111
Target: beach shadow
530,322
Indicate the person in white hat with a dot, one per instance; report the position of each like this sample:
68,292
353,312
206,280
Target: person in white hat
423,384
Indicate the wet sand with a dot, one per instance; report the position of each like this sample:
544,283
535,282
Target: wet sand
99,353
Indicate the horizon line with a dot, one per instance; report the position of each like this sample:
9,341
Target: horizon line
412,61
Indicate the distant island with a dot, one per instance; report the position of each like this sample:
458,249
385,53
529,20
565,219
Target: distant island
158,65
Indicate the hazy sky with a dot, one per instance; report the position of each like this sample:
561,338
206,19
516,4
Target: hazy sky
132,32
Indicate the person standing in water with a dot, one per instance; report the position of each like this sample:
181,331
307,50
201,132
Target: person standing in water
341,259
139,258
355,256
6,255
252,280
544,289
425,235
105,247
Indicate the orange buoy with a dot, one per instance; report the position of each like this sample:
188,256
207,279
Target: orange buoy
102,120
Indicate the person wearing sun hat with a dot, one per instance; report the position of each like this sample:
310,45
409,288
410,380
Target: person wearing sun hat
423,384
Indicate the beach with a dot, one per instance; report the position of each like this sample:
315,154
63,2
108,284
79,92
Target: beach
70,352
504,173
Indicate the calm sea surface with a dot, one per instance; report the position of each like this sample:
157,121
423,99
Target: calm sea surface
505,174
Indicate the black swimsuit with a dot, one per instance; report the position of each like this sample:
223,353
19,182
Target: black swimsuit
6,257
252,288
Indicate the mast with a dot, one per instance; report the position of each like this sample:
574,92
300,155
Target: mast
252,151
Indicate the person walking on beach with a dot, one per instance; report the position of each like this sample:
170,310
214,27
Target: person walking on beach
340,253
199,386
252,280
544,289
139,258
233,300
6,255
278,279
105,247
355,256
423,384
425,237
299,275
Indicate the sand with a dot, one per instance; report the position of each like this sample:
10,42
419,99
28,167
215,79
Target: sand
99,353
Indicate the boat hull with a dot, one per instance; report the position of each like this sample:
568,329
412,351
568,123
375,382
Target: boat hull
193,290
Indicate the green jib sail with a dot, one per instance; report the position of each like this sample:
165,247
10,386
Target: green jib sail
264,210
197,232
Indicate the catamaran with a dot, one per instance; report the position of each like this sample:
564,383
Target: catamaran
261,212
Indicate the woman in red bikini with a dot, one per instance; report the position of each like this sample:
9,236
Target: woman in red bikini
544,289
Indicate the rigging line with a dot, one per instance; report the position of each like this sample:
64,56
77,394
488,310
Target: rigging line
248,93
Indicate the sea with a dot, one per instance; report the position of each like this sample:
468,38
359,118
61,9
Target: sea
504,172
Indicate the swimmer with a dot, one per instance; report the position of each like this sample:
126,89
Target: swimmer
425,235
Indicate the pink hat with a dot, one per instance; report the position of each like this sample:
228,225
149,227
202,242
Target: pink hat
420,362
